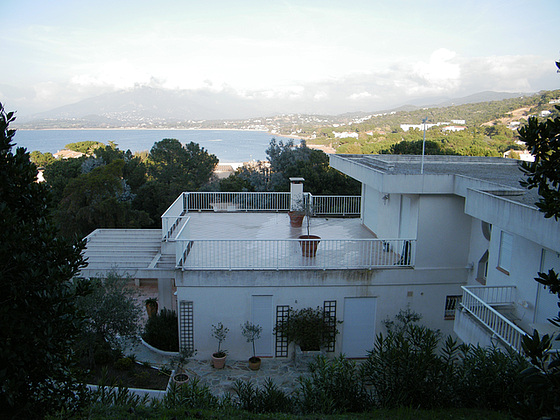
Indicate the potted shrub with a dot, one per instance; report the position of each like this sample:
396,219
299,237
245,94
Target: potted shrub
219,332
252,332
309,243
151,306
297,213
181,377
309,329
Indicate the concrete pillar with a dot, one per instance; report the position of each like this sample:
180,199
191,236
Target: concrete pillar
296,193
165,293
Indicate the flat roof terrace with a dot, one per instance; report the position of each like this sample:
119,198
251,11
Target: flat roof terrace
245,241
238,225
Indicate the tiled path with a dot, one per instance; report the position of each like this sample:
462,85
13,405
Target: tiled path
283,373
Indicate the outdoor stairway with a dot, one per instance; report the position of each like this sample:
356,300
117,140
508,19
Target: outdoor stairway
122,248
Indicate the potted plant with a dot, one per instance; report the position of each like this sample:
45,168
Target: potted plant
309,329
151,306
252,332
180,376
308,243
219,332
297,212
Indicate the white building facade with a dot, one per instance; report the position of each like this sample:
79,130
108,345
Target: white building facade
414,241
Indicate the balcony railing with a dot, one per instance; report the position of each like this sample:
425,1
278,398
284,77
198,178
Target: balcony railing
286,254
331,205
481,303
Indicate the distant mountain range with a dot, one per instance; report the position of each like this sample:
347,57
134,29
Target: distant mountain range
156,107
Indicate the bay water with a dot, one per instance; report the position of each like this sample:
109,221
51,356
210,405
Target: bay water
228,145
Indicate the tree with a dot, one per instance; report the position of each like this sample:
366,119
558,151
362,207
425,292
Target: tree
38,315
188,167
543,139
99,199
111,313
42,159
173,169
288,160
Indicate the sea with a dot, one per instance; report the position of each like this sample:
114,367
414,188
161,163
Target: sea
230,146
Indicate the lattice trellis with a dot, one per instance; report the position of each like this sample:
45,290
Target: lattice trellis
329,314
186,322
282,312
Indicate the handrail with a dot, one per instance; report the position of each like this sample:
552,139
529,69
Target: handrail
287,254
501,327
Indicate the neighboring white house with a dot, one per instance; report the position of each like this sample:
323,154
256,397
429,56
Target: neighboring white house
419,240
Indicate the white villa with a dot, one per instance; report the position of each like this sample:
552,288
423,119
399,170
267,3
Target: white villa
460,244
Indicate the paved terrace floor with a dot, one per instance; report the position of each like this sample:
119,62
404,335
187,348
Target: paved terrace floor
267,241
249,225
284,373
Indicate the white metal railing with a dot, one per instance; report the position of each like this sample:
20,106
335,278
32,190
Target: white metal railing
333,205
171,219
345,205
238,201
477,300
247,254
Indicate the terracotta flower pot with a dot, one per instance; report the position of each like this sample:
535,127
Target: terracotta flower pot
296,218
218,362
309,247
255,363
180,378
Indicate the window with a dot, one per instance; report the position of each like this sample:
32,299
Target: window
451,303
482,270
506,249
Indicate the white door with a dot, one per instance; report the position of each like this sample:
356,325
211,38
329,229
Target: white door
263,315
358,326
547,303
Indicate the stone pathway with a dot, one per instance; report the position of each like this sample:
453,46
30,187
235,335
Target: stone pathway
283,373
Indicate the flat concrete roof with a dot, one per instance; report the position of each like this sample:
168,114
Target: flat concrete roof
209,225
500,171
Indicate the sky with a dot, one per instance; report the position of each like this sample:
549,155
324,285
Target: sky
309,56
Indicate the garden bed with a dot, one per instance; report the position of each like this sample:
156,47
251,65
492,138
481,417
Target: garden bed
136,376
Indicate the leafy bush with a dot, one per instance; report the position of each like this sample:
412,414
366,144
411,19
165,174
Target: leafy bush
490,378
269,399
334,386
162,332
405,369
191,395
309,328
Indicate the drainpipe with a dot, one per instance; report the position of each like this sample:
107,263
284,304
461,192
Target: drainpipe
296,192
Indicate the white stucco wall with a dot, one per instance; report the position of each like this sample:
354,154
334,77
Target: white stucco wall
443,232
226,297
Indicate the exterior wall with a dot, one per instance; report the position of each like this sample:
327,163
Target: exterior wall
443,232
227,296
381,215
478,246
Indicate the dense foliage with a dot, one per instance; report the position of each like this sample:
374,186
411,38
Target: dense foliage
309,328
39,318
162,330
288,160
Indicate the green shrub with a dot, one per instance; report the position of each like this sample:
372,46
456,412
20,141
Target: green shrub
334,386
124,364
309,328
269,399
404,368
161,331
490,378
191,395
